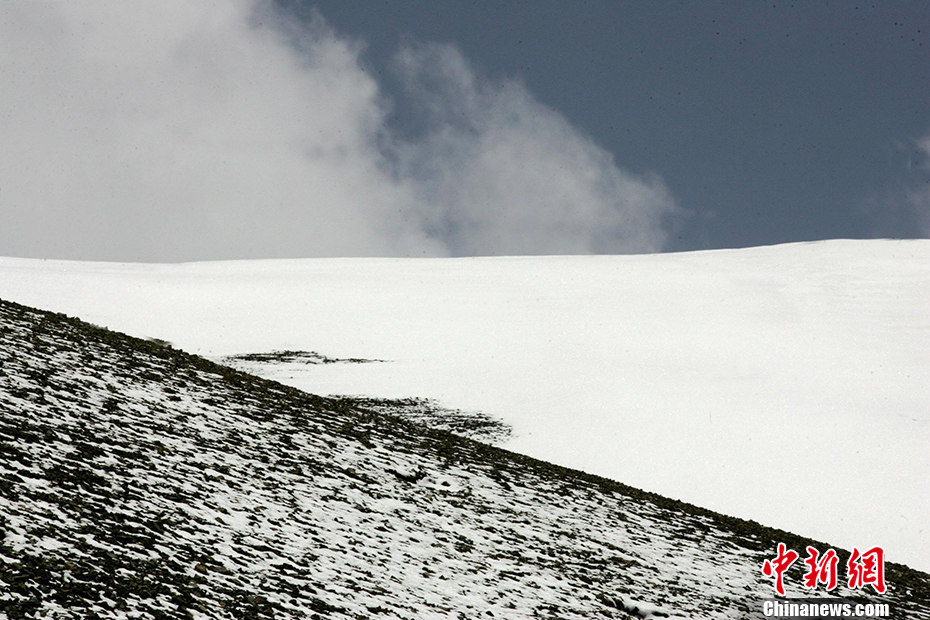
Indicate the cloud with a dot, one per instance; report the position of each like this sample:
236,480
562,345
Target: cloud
918,195
164,131
902,210
501,173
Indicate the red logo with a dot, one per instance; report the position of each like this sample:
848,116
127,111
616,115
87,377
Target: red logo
782,562
862,569
822,570
867,569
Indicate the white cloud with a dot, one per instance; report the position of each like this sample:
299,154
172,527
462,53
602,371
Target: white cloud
183,131
503,173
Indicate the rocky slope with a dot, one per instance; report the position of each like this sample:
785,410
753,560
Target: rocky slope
137,481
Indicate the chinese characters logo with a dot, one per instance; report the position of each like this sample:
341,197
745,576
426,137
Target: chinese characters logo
862,569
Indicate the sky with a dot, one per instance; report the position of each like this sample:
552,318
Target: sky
171,131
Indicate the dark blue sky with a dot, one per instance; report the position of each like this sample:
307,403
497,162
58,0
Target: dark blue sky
769,122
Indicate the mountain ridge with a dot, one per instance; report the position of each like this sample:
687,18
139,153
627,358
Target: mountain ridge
142,481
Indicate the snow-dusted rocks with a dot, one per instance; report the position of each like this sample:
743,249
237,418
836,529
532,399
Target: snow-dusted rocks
137,481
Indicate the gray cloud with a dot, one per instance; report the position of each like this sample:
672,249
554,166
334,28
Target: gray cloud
903,208
188,131
919,194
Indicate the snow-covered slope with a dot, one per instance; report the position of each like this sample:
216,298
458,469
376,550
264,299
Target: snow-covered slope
140,482
785,384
